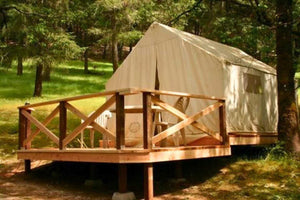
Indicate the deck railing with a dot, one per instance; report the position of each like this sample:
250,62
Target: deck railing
150,97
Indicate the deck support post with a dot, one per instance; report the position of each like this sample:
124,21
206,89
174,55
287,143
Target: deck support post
27,164
148,181
178,170
120,122
123,194
147,121
222,120
122,178
62,123
93,171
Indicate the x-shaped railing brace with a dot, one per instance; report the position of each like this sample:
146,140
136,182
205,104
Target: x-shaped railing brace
186,120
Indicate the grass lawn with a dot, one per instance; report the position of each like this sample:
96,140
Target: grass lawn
257,179
237,177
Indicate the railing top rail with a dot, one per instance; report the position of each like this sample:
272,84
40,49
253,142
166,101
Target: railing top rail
182,94
126,91
93,95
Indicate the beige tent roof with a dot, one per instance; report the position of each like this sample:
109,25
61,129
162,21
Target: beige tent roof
221,51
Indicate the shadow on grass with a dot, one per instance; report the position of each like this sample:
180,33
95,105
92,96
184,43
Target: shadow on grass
74,175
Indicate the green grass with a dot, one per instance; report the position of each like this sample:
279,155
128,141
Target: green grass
256,179
265,174
67,79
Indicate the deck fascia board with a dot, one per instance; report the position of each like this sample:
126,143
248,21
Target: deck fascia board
125,156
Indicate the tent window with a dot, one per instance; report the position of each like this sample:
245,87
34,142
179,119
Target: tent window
252,84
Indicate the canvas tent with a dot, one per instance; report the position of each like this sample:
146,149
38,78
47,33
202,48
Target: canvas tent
188,63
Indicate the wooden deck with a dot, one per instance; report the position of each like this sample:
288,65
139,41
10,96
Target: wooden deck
129,155
150,152
252,138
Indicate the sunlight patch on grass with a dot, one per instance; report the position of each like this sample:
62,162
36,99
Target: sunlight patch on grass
259,179
256,179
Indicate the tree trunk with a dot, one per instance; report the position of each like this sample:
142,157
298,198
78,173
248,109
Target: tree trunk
288,120
115,56
297,46
20,66
120,51
196,28
46,73
114,45
38,81
104,51
86,61
130,47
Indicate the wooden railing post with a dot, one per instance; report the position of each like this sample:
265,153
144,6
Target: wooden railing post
120,122
22,129
27,130
147,121
62,123
24,132
222,120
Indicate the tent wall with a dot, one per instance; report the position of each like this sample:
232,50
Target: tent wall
192,64
249,111
137,71
190,70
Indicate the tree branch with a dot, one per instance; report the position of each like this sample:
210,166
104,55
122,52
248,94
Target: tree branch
4,19
241,4
6,8
262,16
296,33
184,13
